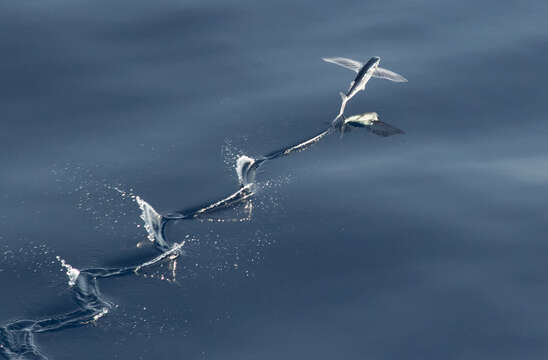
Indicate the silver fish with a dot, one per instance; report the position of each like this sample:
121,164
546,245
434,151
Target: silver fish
371,122
365,72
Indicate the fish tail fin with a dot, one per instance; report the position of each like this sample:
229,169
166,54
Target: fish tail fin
344,99
344,128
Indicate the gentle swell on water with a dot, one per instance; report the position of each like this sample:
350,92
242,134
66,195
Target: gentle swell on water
17,338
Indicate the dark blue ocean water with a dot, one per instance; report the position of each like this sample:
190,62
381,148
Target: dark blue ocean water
428,245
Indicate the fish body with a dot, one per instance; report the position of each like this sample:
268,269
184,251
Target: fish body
371,122
364,73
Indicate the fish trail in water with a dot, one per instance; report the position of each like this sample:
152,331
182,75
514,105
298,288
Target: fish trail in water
17,338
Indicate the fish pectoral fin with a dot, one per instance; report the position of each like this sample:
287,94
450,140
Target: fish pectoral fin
388,75
345,63
383,129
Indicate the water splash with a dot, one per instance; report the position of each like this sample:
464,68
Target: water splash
17,338
72,272
154,223
246,170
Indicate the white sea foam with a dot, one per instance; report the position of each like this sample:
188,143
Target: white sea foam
246,175
72,272
152,220
100,314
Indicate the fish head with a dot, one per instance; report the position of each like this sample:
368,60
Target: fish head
368,117
373,116
372,63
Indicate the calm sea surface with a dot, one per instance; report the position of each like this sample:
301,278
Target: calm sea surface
428,245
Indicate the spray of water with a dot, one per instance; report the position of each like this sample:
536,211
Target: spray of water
17,337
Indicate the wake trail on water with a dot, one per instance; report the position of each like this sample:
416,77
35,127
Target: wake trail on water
17,337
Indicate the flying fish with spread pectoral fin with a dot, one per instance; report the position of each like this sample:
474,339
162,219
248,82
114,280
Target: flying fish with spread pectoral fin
365,72
371,122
